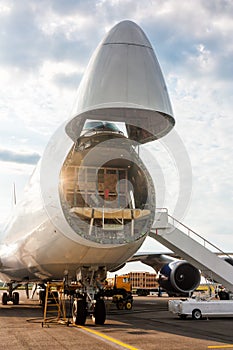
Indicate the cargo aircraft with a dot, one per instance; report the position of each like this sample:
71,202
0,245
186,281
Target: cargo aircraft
90,202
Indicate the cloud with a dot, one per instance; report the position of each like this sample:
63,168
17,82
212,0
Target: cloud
21,39
67,80
31,33
18,157
59,31
73,6
193,42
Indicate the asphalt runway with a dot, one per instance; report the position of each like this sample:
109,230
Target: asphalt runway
147,326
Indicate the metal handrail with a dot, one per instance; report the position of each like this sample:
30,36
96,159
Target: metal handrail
189,231
205,241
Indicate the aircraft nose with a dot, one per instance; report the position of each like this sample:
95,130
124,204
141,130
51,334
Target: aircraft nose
124,83
127,32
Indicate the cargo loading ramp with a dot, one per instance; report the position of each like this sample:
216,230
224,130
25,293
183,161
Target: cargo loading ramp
192,247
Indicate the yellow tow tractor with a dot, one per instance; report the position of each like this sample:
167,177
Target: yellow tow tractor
119,289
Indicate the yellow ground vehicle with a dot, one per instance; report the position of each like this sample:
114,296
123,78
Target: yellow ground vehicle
206,288
119,288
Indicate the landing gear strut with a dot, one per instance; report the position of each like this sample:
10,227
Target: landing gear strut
88,297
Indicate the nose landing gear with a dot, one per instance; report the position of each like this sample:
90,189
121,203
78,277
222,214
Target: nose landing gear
10,295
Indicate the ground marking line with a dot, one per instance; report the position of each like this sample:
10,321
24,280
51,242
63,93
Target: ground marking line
106,337
229,346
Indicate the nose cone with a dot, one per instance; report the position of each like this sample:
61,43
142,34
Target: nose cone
127,32
124,82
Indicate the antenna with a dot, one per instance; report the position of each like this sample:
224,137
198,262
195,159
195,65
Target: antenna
14,194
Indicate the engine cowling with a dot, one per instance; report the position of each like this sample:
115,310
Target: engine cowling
179,277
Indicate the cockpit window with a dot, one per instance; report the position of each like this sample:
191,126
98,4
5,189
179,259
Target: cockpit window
111,126
99,125
92,125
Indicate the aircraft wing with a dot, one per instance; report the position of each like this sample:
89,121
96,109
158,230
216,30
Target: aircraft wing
158,260
155,260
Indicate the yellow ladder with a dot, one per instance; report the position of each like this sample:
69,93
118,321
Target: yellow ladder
54,306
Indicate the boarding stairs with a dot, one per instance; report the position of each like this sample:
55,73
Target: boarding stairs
192,247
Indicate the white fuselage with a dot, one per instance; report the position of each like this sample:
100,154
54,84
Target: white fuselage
38,243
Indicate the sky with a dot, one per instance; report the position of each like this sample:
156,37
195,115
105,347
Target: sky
45,47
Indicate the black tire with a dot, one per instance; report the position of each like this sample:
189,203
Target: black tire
15,298
183,317
196,314
79,312
120,304
100,312
128,305
4,298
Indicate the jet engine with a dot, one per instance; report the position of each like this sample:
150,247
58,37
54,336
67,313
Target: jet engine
179,278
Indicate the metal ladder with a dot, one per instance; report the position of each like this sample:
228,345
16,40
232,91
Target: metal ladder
54,305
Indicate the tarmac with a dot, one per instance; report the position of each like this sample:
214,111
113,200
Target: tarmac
149,325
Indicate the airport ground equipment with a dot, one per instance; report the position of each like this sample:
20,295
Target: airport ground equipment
118,282
120,297
54,306
120,290
194,248
197,308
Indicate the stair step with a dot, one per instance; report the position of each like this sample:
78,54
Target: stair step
193,251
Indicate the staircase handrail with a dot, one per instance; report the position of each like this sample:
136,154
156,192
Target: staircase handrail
205,241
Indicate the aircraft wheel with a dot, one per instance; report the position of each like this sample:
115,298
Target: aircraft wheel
196,314
15,298
100,312
79,312
128,305
4,298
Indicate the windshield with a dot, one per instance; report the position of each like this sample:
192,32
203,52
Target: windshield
99,125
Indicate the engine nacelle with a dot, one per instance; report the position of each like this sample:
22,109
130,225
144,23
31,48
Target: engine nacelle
179,277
